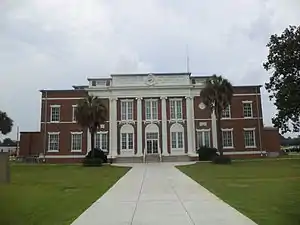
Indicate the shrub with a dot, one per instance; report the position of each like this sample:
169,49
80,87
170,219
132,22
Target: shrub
221,160
92,161
97,153
206,153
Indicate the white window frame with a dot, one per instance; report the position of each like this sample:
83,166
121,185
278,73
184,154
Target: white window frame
251,106
127,141
151,102
126,112
100,133
74,107
227,109
72,140
232,139
202,136
254,139
49,140
176,101
51,113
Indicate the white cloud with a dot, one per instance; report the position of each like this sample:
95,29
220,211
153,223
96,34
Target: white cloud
54,44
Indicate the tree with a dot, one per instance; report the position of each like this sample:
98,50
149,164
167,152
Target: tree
6,123
217,95
9,142
90,113
284,85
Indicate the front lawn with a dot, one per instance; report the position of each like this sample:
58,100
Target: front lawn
53,194
266,191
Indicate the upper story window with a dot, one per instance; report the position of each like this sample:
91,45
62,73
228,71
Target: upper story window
74,107
176,108
227,112
247,109
126,109
151,109
55,113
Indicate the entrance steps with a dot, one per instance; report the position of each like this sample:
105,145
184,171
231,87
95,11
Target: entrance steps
152,158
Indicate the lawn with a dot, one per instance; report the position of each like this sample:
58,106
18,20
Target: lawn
266,191
53,194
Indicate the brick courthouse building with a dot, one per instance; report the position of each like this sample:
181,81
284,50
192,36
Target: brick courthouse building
149,114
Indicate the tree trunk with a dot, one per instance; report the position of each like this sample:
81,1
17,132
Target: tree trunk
92,142
219,132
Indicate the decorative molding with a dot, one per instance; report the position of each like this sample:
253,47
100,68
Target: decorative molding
202,124
189,97
151,121
139,98
201,106
163,97
127,122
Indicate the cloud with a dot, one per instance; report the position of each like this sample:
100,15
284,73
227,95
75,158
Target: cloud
55,44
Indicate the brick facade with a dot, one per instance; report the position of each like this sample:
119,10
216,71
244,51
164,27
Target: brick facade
37,143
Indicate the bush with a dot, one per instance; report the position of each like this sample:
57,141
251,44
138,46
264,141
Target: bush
221,160
98,154
92,161
206,153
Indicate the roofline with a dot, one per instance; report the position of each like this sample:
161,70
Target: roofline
98,78
146,74
67,90
257,85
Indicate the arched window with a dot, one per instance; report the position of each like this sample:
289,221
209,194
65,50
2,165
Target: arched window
177,137
127,137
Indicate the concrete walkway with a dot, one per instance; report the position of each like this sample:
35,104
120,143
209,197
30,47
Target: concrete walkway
159,194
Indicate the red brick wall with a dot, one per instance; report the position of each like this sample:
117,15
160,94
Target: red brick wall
31,143
271,140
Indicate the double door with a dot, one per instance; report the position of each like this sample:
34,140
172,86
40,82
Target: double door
152,143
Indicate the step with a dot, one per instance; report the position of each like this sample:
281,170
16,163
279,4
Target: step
152,158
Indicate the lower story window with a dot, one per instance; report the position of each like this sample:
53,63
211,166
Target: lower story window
127,141
227,137
76,142
249,138
203,138
53,142
101,141
176,140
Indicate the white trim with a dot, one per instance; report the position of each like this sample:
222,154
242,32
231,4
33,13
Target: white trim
232,138
127,129
54,132
176,101
177,128
101,140
126,100
243,118
62,98
48,142
51,112
226,129
55,106
76,132
247,101
244,152
247,94
63,156
249,128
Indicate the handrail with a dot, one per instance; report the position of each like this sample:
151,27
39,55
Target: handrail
144,156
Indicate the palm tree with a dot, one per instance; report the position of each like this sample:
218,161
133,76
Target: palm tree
90,113
6,123
217,95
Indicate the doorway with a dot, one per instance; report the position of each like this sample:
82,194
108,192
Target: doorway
152,142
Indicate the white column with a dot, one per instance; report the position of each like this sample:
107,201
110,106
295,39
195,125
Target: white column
113,127
164,126
139,127
214,130
190,121
193,126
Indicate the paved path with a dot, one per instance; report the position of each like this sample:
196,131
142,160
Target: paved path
159,194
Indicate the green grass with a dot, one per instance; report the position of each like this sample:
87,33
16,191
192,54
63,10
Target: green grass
53,194
266,191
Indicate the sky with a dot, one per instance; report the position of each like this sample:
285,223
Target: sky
54,44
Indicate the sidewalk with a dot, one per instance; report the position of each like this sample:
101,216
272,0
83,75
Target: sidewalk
159,194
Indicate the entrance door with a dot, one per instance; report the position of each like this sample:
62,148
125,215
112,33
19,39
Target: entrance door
152,142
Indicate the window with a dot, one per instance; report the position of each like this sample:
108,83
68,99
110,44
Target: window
249,137
126,109
55,113
177,140
151,109
76,141
53,142
247,109
203,138
226,112
101,141
227,138
74,107
176,109
127,141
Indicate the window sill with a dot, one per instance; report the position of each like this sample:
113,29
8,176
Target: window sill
250,146
76,150
52,151
54,121
248,117
229,147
